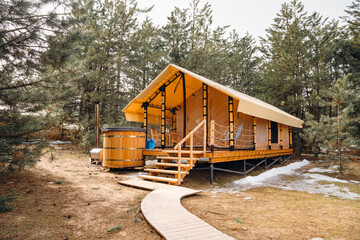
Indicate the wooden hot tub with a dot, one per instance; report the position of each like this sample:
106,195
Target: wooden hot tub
123,147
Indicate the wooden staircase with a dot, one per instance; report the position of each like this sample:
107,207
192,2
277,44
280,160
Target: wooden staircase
172,168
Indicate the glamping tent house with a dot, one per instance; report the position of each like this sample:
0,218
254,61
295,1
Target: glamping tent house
193,118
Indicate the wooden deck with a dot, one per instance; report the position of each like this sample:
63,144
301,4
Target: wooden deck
163,210
236,155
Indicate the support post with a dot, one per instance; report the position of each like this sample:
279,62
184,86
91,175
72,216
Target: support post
179,165
97,124
211,173
184,104
265,162
269,134
290,137
212,135
231,123
281,136
205,108
254,128
145,106
191,149
244,167
163,116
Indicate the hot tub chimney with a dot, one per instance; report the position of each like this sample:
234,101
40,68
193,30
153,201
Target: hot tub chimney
97,124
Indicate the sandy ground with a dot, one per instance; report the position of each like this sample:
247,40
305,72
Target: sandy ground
67,198
86,204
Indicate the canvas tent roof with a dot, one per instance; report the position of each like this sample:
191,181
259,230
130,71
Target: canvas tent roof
247,104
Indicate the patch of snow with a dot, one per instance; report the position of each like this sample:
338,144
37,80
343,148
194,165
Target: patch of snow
247,198
301,181
321,170
272,174
31,142
353,181
58,142
314,177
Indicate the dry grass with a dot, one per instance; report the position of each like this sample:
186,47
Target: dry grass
278,214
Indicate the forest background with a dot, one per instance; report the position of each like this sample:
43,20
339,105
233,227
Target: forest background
56,66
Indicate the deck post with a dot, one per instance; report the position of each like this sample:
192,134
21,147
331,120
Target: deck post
290,137
145,106
269,134
212,135
179,165
191,149
281,136
205,108
254,128
211,173
231,123
163,116
184,103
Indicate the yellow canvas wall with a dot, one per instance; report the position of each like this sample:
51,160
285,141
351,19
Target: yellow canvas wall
218,111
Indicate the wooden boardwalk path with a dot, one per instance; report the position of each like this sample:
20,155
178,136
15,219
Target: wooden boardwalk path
163,210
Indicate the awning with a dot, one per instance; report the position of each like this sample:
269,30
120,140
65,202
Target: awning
247,104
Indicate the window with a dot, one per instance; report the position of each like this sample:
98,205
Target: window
274,132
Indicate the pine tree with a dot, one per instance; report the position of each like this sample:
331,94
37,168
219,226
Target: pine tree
24,113
334,134
98,53
241,69
299,60
351,52
175,35
146,58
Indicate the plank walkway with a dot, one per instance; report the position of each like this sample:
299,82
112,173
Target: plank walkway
164,212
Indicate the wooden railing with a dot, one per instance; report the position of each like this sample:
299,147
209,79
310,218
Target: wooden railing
191,136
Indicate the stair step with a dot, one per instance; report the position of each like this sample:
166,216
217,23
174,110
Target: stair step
171,165
182,151
159,179
182,158
164,171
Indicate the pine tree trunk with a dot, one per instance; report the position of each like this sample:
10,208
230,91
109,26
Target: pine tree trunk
297,142
341,169
117,90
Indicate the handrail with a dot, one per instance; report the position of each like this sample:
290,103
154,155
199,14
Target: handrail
191,136
192,131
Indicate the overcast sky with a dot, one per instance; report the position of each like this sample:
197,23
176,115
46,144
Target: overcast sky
253,16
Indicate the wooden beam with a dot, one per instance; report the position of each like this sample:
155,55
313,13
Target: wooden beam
269,134
290,137
212,135
184,103
205,108
145,106
281,136
231,123
254,128
163,116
